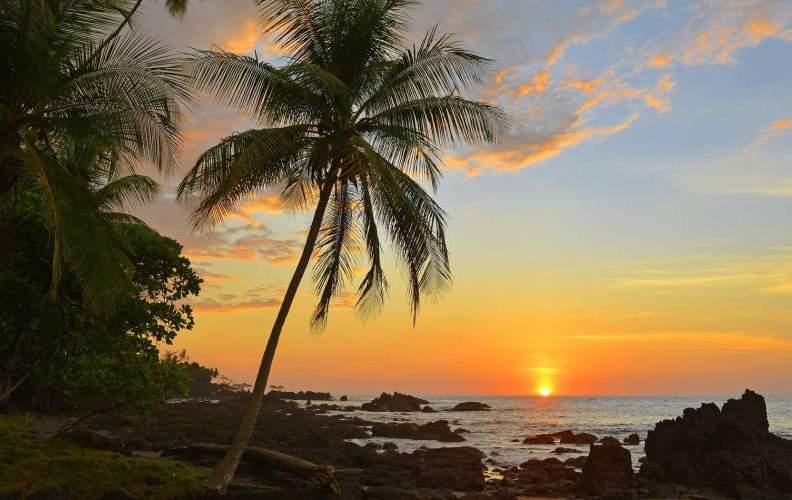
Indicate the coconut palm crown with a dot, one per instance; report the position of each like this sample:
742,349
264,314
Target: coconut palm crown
77,86
353,123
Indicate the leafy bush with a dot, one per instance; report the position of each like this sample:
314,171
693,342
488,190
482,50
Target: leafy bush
62,354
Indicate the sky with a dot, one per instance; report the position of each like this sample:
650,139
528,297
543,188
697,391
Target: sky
631,234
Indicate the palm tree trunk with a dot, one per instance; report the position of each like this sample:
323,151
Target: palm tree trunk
224,471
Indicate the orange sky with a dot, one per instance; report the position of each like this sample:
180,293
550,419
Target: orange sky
629,236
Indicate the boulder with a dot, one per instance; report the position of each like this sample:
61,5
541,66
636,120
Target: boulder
428,409
632,440
343,398
457,469
540,439
99,440
569,437
545,478
437,431
561,450
729,449
302,395
608,471
471,406
576,462
394,402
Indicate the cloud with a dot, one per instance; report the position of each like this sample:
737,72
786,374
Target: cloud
765,272
776,128
244,39
538,84
250,247
215,306
533,150
660,61
717,30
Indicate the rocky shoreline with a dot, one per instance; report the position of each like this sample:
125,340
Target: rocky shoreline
708,453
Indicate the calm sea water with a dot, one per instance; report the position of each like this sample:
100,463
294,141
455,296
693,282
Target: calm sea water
520,416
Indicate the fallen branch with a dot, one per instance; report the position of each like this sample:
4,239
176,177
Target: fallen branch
323,475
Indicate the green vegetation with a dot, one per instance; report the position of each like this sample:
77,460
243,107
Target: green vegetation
352,120
87,291
28,466
70,357
82,99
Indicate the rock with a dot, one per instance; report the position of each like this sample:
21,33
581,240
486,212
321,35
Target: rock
457,469
561,450
100,440
471,406
462,430
389,446
608,471
428,409
632,440
730,450
302,395
576,462
569,437
516,440
549,477
394,402
343,398
540,439
438,431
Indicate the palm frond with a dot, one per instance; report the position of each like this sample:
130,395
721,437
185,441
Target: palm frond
124,191
438,67
335,250
241,164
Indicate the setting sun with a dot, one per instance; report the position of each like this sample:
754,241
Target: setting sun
545,391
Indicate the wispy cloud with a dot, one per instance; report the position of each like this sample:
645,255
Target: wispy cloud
776,128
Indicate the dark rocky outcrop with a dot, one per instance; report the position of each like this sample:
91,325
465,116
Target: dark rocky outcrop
428,409
561,450
549,477
343,398
471,406
99,440
632,440
728,449
302,395
540,439
608,471
437,431
577,462
456,468
563,437
569,437
394,402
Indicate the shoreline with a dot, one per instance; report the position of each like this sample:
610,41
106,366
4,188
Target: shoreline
337,434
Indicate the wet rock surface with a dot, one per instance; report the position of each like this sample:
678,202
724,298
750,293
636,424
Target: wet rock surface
394,402
471,406
608,471
729,449
708,449
438,431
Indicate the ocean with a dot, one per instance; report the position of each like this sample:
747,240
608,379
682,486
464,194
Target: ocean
515,418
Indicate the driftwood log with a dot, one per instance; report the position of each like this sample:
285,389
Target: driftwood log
322,475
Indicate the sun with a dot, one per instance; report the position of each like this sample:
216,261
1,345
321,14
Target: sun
545,391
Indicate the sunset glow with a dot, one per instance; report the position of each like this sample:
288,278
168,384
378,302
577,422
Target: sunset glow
628,236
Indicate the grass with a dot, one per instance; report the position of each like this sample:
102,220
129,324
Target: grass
28,466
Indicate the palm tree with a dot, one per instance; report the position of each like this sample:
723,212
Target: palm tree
74,83
348,123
